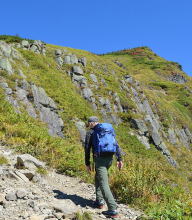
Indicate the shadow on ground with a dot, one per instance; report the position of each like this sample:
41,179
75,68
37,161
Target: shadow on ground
78,200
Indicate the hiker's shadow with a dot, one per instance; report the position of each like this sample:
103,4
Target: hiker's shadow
78,200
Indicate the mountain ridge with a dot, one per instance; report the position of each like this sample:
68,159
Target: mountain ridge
147,98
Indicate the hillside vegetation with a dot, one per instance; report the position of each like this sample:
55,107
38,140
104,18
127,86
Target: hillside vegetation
157,178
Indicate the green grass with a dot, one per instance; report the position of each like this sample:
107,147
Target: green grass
13,39
3,160
84,216
146,180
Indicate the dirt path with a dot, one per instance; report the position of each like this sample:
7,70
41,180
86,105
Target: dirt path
54,196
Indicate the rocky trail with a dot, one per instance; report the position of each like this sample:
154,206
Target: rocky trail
25,194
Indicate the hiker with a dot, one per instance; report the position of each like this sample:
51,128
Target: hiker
103,161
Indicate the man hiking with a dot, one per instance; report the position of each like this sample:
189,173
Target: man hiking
101,140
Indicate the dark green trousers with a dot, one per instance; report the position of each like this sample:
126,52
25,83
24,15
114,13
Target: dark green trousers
102,188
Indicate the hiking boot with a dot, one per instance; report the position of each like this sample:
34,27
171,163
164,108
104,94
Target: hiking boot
110,213
99,205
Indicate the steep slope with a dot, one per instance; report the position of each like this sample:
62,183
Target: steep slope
147,98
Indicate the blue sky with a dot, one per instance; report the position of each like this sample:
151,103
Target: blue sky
102,26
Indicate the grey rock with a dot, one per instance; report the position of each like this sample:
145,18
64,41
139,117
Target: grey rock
108,105
15,54
144,140
55,123
27,158
139,125
74,59
11,196
94,106
59,61
25,85
83,61
21,94
177,78
119,64
188,133
94,78
14,103
153,122
87,94
77,70
31,203
82,130
48,111
8,91
101,100
5,65
5,49
21,176
172,137
21,193
40,97
36,178
34,48
67,59
80,80
1,209
167,154
182,137
25,43
156,137
128,79
58,52
67,207
28,173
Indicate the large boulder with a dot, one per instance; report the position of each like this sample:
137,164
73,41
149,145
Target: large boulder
5,49
177,78
40,97
67,207
24,160
139,125
88,94
59,61
93,78
25,43
77,70
5,65
83,61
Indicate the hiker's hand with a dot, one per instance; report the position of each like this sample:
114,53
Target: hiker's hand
88,169
120,164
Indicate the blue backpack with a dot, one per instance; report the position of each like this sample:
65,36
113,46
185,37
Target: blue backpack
104,139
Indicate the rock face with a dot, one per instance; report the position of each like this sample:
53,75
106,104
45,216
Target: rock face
36,102
5,65
177,78
36,46
25,159
48,111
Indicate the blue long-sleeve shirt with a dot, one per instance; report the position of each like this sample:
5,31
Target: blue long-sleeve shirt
89,146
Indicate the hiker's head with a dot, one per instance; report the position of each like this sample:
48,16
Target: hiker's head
92,121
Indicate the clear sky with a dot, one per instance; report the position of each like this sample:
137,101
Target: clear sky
102,26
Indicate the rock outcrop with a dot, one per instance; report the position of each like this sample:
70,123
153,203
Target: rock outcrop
36,46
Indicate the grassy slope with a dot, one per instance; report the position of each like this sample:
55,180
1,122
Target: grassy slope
147,179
